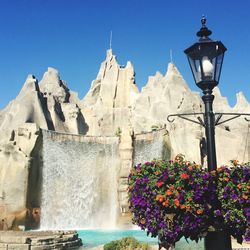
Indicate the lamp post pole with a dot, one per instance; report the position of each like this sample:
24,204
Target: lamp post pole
219,240
210,129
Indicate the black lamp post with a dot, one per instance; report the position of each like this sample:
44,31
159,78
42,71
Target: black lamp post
205,58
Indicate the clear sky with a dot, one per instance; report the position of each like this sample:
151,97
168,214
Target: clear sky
73,36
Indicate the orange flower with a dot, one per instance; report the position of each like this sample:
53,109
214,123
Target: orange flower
160,197
176,202
226,179
190,168
184,176
248,187
188,207
245,197
239,186
199,211
165,204
143,221
169,192
182,206
235,162
189,198
171,187
156,173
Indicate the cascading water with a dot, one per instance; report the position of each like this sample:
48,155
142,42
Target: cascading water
149,146
79,186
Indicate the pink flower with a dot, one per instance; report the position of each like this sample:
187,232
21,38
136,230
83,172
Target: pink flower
159,183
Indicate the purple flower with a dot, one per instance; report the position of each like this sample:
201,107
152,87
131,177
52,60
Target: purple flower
234,196
217,213
247,238
225,195
241,200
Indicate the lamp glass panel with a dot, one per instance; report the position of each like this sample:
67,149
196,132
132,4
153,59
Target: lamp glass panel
219,66
195,67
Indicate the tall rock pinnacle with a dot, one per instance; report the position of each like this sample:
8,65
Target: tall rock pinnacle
111,95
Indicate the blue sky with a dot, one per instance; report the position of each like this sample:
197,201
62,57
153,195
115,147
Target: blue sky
73,36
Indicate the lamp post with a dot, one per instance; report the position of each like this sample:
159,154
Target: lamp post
205,58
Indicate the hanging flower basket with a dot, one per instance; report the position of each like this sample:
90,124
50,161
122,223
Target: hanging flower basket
175,199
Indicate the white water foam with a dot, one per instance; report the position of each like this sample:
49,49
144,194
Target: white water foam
147,150
79,186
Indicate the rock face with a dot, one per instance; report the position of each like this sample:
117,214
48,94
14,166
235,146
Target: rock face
46,105
107,106
15,157
64,114
164,95
26,108
112,107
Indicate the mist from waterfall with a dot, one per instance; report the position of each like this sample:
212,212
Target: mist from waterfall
79,186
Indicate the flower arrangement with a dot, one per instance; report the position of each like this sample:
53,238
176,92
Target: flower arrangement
233,192
174,199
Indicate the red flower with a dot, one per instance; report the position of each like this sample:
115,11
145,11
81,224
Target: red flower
176,202
159,183
184,176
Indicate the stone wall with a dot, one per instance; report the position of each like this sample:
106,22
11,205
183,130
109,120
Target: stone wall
40,240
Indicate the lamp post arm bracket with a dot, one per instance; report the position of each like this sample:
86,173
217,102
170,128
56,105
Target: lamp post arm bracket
184,116
235,115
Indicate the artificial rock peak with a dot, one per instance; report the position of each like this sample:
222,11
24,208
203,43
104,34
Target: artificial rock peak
112,107
107,106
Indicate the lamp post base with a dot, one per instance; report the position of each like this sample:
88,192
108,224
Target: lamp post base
220,240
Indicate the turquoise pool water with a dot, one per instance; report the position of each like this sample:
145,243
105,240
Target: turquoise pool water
92,238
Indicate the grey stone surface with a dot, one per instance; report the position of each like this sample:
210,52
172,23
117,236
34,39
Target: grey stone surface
39,240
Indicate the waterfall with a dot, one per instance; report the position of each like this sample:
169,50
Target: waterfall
150,146
79,181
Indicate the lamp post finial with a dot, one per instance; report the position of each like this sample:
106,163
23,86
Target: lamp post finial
204,32
203,21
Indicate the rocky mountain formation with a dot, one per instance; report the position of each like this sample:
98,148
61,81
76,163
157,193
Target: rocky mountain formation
113,107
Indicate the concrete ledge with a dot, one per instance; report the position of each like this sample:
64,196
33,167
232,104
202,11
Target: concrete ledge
39,240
